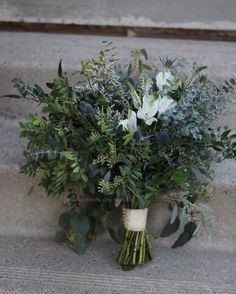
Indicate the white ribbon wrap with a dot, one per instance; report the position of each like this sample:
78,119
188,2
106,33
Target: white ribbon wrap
135,219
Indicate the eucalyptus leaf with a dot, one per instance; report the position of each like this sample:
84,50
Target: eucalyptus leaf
186,236
170,229
83,225
60,236
99,227
64,219
174,213
80,245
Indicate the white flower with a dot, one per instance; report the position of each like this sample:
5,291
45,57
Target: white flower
148,109
129,124
166,82
165,103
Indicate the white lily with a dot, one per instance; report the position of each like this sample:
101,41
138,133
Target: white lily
130,123
166,82
148,110
165,103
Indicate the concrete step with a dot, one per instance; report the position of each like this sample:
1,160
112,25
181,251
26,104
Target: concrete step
201,14
42,266
35,56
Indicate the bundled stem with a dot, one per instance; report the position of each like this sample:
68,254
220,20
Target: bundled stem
136,248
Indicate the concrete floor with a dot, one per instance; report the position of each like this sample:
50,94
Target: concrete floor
181,13
29,266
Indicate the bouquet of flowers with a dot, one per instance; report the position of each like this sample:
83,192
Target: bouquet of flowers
124,136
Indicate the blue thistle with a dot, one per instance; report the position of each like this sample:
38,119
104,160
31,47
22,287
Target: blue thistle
163,138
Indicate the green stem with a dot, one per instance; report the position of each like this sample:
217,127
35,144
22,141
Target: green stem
135,249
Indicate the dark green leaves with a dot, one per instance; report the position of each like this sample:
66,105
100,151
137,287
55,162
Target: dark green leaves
64,219
229,85
170,229
83,225
225,134
60,237
144,52
80,224
187,235
11,96
59,71
79,244
27,91
117,234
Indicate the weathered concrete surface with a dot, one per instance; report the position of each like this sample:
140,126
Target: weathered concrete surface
24,215
35,57
38,266
213,14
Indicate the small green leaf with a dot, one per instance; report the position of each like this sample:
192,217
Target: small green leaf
113,234
187,235
170,228
121,233
30,190
148,67
80,245
199,176
74,220
60,69
60,236
84,177
107,176
225,134
144,52
114,217
11,96
174,213
233,81
69,155
49,85
83,225
93,210
130,69
64,219
76,170
197,228
122,170
118,201
98,227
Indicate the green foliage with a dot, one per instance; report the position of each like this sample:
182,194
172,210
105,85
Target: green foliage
26,91
77,228
187,234
170,228
83,144
60,236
